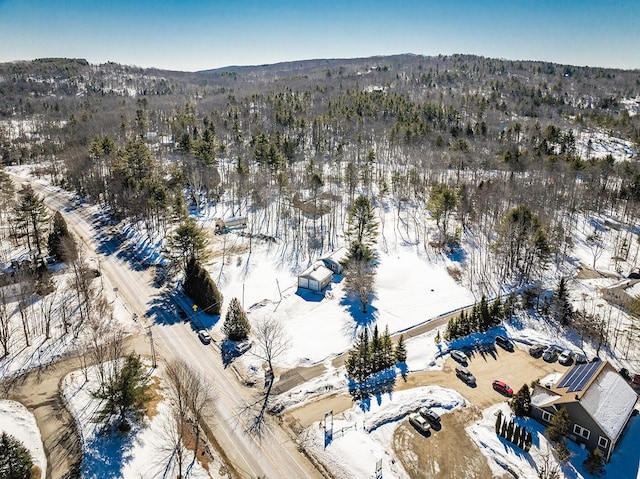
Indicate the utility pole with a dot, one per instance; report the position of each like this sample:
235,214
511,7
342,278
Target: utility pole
153,349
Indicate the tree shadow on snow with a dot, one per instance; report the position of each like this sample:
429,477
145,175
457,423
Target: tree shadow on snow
107,453
375,385
360,320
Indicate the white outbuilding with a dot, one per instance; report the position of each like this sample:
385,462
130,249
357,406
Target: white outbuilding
316,277
334,259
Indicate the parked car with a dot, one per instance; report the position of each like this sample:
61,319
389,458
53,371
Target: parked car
459,356
502,388
580,358
504,343
464,374
536,350
243,346
550,354
635,380
204,336
419,422
565,358
430,415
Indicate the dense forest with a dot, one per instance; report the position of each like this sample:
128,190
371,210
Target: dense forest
501,154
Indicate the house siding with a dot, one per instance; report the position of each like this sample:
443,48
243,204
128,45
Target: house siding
577,415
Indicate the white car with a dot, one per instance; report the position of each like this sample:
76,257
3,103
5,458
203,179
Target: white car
419,422
204,336
566,357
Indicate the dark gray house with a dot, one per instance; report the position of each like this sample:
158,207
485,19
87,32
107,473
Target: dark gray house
599,402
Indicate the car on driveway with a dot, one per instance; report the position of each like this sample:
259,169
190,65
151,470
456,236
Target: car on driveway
536,350
580,358
204,336
565,358
550,354
464,374
459,356
502,388
504,343
430,415
419,422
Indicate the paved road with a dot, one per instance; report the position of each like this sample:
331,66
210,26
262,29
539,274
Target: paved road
274,455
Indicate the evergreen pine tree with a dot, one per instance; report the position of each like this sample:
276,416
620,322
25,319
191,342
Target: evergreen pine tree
516,434
510,428
199,286
125,393
594,463
236,326
484,321
498,421
503,430
376,351
561,303
401,350
60,242
15,459
388,356
528,442
559,426
496,312
523,437
437,339
521,401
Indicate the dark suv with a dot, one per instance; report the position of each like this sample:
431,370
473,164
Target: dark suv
504,343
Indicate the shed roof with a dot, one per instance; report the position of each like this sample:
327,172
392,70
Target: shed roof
317,271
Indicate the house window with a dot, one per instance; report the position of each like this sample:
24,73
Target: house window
546,417
582,432
603,442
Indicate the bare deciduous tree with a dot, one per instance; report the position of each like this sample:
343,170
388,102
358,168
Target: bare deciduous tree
192,398
271,342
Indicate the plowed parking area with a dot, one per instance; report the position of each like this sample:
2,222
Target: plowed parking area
449,452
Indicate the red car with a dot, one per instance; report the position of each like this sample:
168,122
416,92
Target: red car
502,388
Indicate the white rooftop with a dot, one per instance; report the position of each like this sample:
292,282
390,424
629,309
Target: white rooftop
609,400
317,271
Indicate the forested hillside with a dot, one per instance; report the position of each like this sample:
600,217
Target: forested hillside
502,155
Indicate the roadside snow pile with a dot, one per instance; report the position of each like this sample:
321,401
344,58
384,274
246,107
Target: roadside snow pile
17,421
145,452
363,434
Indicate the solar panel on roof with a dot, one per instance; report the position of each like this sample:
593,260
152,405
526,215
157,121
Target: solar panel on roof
585,378
578,377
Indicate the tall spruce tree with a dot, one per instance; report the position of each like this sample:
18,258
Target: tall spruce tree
521,402
31,218
125,394
236,326
400,351
359,272
359,360
61,244
361,224
199,286
562,308
15,459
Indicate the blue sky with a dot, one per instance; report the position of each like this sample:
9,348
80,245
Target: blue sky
197,34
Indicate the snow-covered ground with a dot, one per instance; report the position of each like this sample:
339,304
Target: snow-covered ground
16,420
144,453
362,435
411,287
